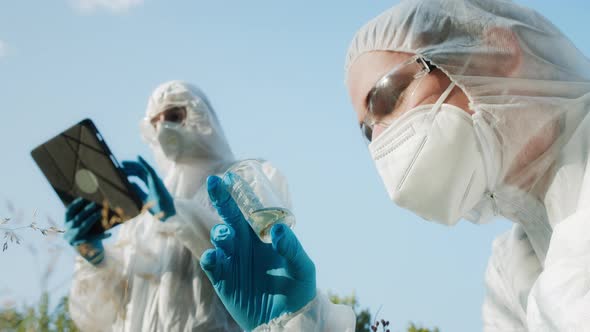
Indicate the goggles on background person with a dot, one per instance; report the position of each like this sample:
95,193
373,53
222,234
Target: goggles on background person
174,116
384,97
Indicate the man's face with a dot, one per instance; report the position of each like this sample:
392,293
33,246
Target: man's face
370,67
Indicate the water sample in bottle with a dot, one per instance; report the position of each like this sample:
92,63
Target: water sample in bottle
262,221
254,195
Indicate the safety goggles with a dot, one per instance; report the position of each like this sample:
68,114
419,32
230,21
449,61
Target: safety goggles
174,115
385,96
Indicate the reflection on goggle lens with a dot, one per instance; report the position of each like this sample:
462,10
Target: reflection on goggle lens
385,96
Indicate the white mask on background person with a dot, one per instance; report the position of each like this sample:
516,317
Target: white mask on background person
430,162
170,138
180,144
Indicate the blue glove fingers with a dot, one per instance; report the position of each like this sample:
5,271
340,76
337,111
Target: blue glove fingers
212,261
153,179
76,234
74,207
158,191
147,166
225,205
223,237
87,211
88,222
133,168
142,195
286,244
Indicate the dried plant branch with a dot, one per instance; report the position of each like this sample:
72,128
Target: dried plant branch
9,228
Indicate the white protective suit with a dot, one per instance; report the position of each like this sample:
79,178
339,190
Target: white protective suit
150,279
529,88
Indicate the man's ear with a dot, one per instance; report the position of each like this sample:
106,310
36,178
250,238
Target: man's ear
507,57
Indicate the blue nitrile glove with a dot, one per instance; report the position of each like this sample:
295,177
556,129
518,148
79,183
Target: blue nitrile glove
256,281
81,214
158,197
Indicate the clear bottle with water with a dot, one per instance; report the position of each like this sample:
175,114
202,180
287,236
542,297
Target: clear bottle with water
254,195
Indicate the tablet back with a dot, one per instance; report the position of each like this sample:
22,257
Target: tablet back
78,163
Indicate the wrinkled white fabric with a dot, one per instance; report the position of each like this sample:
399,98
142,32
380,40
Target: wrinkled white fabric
511,272
150,279
529,89
559,297
320,315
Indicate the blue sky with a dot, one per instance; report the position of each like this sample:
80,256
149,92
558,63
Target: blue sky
274,73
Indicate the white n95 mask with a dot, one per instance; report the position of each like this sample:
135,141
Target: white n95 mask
170,138
180,144
430,162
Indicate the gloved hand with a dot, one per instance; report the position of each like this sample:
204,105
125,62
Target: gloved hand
158,197
256,281
81,214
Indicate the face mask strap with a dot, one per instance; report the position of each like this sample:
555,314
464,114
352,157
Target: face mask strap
443,98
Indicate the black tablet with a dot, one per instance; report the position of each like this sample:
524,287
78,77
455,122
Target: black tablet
78,163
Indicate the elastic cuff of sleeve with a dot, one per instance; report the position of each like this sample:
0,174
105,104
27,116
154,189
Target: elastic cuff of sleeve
278,323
